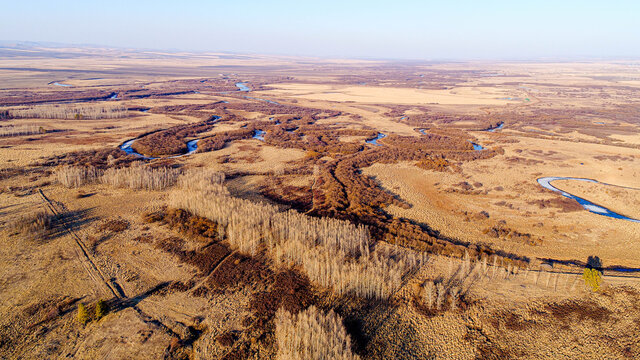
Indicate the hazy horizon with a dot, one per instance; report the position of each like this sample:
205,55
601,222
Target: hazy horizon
466,30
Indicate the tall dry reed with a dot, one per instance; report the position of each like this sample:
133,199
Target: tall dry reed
76,176
312,335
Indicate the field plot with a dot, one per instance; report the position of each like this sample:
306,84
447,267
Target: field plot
389,95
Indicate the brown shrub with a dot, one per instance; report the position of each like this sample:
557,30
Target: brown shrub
291,291
185,222
562,203
37,225
437,164
240,269
227,339
114,225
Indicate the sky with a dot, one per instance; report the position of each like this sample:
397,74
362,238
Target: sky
398,29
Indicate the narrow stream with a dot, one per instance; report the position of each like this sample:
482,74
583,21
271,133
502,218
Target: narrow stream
259,134
59,84
493,129
588,205
265,100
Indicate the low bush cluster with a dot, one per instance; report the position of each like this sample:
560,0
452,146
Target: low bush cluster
37,225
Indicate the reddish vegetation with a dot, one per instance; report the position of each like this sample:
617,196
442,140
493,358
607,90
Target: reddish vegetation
435,163
204,259
114,225
501,231
291,290
562,203
240,270
172,140
25,97
217,141
184,222
100,159
299,198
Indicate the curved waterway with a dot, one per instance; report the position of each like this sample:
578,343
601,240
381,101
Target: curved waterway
374,141
476,147
493,129
192,147
588,205
265,100
242,87
59,84
259,134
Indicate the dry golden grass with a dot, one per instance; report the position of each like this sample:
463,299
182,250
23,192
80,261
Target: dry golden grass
511,315
389,95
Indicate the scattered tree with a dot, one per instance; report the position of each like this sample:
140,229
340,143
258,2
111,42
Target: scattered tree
102,309
83,314
592,278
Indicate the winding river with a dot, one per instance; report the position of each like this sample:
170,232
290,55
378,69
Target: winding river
588,205
374,141
192,147
476,147
242,87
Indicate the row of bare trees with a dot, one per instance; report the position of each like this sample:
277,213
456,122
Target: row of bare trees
312,334
140,176
333,253
71,111
133,177
19,130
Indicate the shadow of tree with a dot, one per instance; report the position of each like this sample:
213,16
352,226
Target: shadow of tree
121,304
70,220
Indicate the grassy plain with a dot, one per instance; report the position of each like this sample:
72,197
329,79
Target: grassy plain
479,260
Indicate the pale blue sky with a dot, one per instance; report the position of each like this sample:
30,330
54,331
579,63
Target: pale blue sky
400,29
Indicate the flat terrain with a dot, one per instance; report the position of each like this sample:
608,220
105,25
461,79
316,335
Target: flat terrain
187,247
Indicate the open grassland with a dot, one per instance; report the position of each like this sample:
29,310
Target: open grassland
338,210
